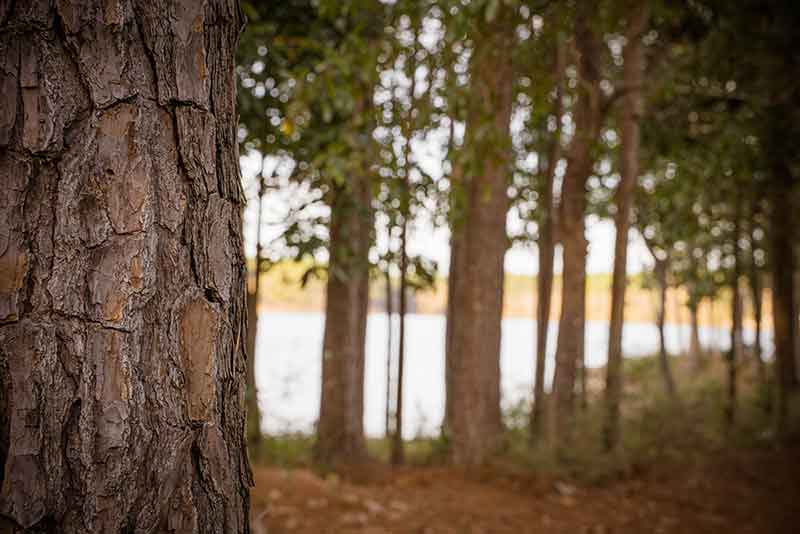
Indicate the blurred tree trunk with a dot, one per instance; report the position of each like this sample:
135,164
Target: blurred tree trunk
661,319
456,251
340,436
756,292
546,245
397,453
588,119
450,318
784,310
695,348
632,108
474,420
253,294
389,313
736,349
122,275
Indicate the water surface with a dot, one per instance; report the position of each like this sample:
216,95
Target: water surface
288,367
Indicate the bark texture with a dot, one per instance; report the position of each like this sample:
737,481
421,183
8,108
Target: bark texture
632,108
477,284
544,279
122,303
341,416
588,118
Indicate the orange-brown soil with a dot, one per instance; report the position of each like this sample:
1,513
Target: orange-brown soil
754,492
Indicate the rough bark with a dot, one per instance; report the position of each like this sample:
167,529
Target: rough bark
341,418
544,279
588,118
122,299
253,295
474,419
632,108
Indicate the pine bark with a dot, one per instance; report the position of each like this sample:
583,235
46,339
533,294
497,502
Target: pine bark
632,105
588,118
340,437
546,243
122,299
474,420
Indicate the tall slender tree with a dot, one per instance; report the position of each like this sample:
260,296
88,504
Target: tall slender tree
737,344
588,115
397,455
546,243
253,295
632,102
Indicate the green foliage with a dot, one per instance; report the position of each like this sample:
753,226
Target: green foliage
656,430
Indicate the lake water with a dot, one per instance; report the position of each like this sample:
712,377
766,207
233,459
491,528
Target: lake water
288,367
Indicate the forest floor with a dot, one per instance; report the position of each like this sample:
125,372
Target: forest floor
752,491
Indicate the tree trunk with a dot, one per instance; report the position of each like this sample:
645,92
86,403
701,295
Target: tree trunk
755,288
735,353
588,118
122,277
397,442
389,313
784,310
632,103
695,349
661,319
456,251
547,249
254,292
453,290
474,419
341,417
397,455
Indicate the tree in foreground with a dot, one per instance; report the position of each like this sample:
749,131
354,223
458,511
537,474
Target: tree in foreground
122,298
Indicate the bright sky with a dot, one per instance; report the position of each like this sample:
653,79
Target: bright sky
434,243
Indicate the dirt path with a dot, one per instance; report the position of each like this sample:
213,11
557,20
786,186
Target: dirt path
759,493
